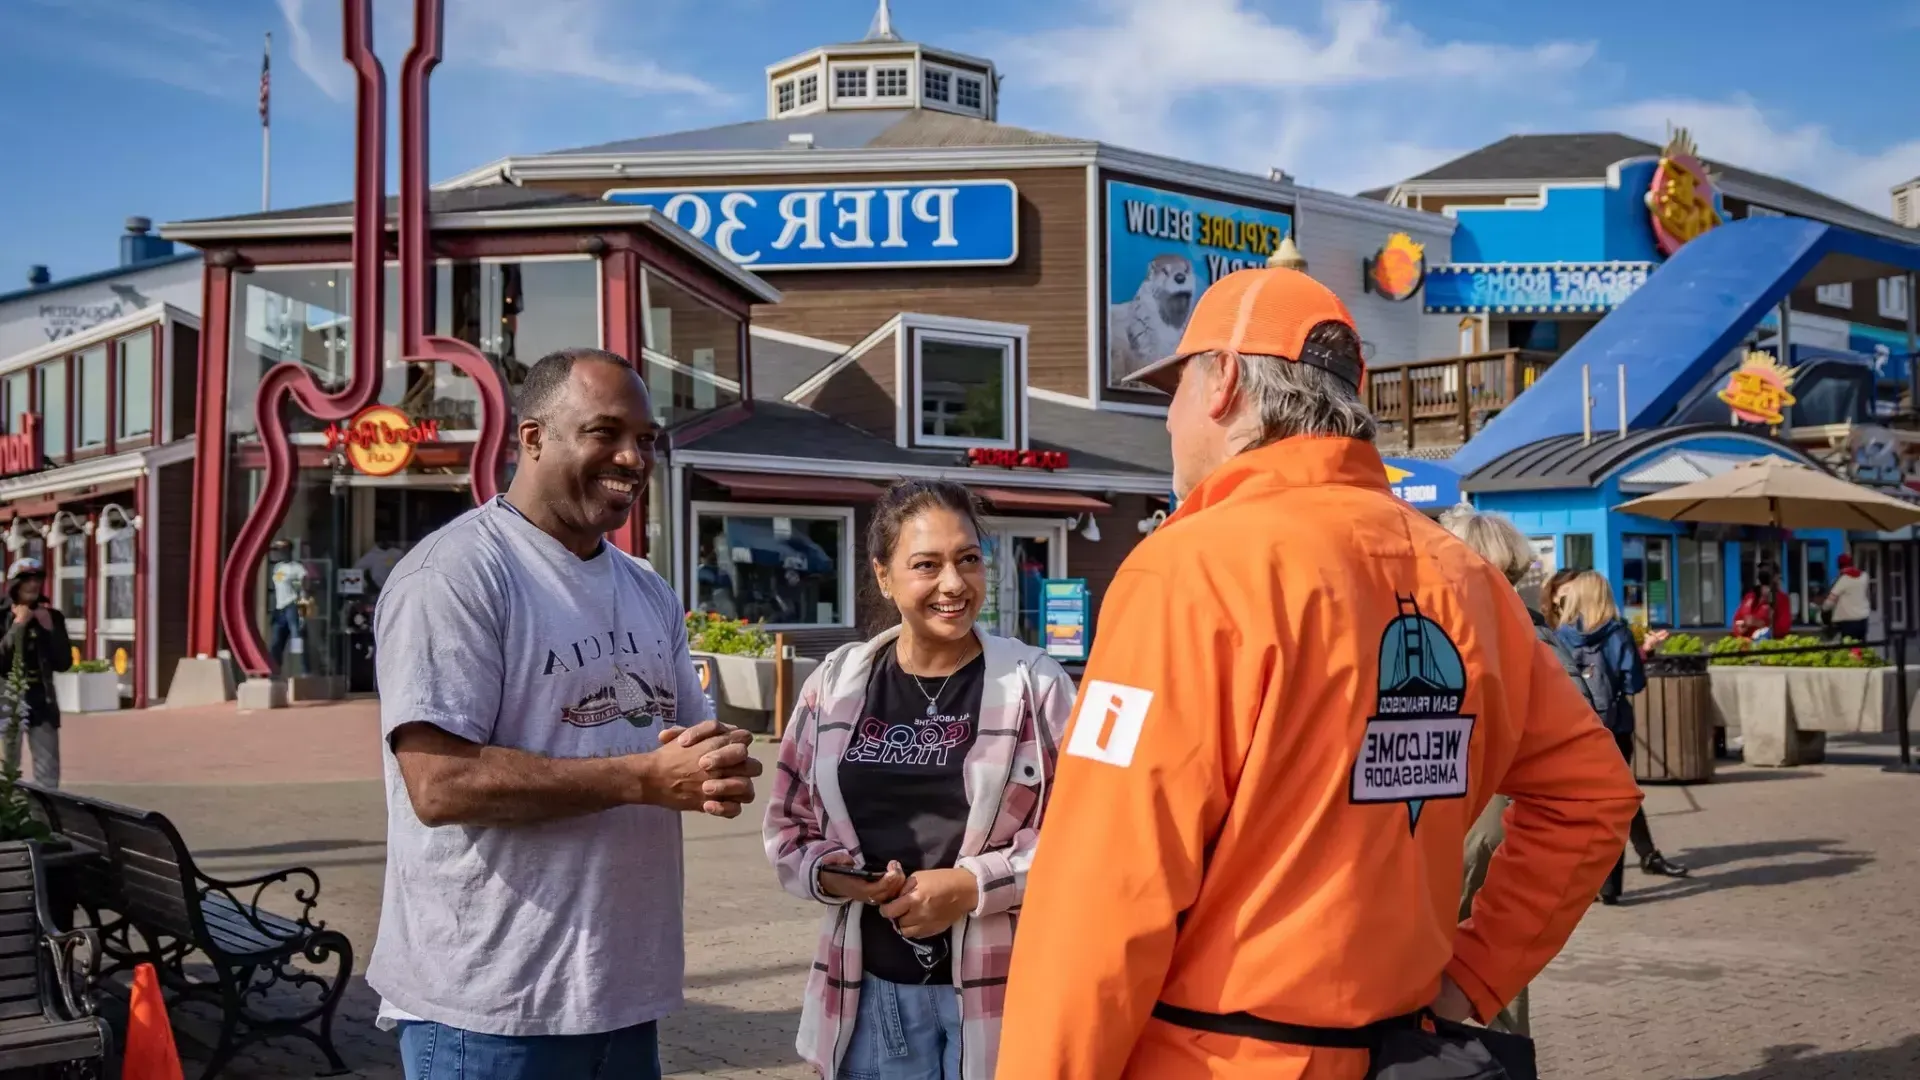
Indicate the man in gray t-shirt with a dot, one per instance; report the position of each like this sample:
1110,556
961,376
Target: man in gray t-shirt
544,729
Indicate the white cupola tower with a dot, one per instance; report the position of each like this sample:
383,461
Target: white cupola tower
882,71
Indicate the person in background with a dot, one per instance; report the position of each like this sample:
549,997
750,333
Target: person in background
289,579
922,756
1763,612
1550,593
36,639
380,560
1609,663
1848,601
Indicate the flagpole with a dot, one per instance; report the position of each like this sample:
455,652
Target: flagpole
266,129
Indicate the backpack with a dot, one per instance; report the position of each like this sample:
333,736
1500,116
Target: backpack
1598,679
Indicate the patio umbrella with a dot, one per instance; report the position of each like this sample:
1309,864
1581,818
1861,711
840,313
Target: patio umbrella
1773,491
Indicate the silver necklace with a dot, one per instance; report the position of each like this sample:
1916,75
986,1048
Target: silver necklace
933,699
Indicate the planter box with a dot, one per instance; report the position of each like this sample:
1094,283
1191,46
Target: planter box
1673,735
1783,715
743,694
94,691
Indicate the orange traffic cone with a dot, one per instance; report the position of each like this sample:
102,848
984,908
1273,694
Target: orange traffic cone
151,1054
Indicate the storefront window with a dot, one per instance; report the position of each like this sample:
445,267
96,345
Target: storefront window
518,312
1701,577
781,566
93,399
693,352
19,401
1806,576
117,569
53,407
1579,550
1646,593
963,383
135,373
71,578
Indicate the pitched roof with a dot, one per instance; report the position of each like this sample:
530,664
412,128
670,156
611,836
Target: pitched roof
1570,462
1586,156
852,130
456,201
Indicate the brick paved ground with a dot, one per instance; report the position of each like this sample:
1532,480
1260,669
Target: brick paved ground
1783,958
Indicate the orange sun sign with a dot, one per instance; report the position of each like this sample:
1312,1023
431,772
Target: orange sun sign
1682,198
1398,268
1758,390
380,439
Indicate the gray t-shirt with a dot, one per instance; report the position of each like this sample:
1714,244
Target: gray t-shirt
494,631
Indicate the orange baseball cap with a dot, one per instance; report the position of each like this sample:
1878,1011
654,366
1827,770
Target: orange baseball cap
1263,311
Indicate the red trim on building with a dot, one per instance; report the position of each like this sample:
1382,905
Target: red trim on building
622,331
210,461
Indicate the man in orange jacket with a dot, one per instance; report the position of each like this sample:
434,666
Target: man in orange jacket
1301,695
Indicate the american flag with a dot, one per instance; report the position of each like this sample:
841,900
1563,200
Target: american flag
266,80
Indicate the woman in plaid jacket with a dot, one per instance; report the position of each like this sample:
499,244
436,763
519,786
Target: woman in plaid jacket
908,799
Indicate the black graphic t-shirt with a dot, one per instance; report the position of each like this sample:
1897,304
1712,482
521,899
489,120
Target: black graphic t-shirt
906,793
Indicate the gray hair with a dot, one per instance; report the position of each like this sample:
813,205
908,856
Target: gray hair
1289,398
1494,538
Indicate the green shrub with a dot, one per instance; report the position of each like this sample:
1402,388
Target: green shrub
92,667
712,632
1681,645
1771,653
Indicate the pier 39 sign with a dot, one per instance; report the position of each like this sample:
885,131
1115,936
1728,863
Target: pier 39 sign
847,226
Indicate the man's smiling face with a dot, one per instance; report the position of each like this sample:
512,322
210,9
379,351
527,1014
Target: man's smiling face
595,447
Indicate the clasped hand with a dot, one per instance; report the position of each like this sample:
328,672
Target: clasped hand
706,767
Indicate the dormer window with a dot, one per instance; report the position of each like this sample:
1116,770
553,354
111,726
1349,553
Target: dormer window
784,96
890,82
937,85
850,84
809,89
967,92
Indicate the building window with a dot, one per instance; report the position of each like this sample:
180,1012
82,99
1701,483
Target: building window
1702,578
964,384
783,92
849,83
809,89
1806,582
967,93
135,374
1579,551
890,82
1897,588
784,566
52,395
1893,298
116,572
70,579
937,85
93,399
1838,295
19,402
693,352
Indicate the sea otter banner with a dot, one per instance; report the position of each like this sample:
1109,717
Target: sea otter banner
1163,249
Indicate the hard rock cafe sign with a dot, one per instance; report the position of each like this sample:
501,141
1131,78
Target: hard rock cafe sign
20,452
1682,200
380,439
1759,391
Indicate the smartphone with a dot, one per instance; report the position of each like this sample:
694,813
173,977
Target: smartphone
854,872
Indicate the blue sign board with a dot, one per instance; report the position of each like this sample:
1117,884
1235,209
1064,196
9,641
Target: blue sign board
1063,617
1533,288
1429,485
848,226
1163,250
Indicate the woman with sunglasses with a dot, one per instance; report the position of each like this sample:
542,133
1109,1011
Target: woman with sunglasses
911,784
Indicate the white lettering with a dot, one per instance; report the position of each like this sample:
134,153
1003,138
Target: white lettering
896,218
1107,725
935,207
859,216
730,226
800,210
702,216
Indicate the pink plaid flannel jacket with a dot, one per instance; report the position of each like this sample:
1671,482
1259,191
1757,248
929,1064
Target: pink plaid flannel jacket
1023,711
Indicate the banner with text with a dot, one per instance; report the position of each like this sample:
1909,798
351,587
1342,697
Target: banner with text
847,226
1538,288
1163,250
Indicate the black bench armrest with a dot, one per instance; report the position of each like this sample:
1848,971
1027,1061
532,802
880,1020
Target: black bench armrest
61,946
305,897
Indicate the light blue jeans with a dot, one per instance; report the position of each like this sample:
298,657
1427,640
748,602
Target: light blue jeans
904,1033
430,1051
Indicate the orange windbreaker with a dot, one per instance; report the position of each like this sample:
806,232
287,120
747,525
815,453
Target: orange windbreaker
1301,695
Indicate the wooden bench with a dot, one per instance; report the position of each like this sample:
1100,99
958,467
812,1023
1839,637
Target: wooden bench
151,904
46,1018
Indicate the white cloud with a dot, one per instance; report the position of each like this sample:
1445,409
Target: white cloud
1741,132
324,67
560,38
1353,101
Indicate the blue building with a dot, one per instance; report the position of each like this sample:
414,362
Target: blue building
1642,281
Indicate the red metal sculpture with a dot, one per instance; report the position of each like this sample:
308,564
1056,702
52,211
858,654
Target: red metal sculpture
240,576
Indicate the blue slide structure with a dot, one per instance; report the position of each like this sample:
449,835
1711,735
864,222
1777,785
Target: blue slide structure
1672,331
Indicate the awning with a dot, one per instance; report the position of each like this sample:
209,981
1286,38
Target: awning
745,485
1060,502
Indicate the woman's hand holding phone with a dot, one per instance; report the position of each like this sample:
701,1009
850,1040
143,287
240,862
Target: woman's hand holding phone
849,887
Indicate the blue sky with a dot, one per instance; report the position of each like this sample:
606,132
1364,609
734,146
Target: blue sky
120,107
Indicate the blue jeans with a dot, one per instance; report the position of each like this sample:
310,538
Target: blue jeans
430,1051
285,626
904,1033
